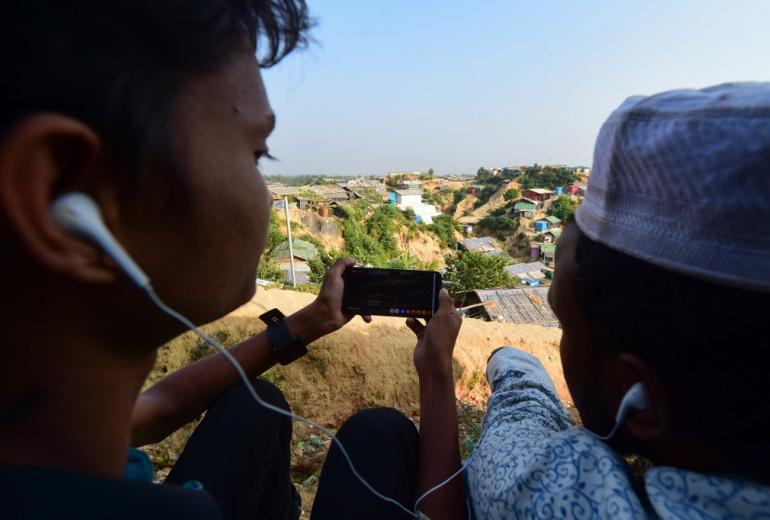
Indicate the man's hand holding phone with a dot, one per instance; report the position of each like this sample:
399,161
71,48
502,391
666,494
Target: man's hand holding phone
325,315
436,340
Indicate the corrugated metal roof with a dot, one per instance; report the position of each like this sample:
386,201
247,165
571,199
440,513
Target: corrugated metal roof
539,191
283,191
478,244
525,206
329,191
524,268
406,193
301,249
553,220
526,305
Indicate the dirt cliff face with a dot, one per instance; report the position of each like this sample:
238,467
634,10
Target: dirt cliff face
359,366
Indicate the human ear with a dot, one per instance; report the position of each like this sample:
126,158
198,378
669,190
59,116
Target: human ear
40,157
649,423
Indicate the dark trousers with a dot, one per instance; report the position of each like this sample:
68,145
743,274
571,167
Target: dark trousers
240,452
384,446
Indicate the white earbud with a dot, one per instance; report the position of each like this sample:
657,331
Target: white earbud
635,399
77,213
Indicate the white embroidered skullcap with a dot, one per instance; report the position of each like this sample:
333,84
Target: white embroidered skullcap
682,180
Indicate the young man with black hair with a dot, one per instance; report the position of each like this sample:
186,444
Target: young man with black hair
157,111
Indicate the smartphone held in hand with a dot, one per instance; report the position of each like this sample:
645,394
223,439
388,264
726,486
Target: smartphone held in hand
390,292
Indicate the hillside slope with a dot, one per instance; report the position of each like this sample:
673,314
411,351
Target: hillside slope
495,201
362,365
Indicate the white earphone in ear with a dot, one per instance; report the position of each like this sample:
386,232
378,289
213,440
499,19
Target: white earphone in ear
635,399
78,214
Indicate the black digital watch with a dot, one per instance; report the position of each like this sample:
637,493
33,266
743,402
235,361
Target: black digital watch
285,346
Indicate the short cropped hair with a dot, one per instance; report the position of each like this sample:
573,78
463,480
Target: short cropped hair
710,343
118,65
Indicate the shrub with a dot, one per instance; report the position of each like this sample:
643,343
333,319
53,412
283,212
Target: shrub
476,271
563,208
501,223
444,227
547,177
511,194
268,269
484,195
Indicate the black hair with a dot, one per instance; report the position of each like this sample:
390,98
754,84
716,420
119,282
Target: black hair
118,65
709,342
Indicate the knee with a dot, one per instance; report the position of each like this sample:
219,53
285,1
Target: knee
239,407
240,396
379,425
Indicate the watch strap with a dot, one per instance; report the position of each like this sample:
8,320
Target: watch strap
285,346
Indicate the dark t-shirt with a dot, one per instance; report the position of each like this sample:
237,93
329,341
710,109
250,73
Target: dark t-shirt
32,493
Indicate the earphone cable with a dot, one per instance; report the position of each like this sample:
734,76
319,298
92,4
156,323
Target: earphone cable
234,362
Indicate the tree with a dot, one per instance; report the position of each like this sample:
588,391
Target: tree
511,194
274,235
563,208
472,270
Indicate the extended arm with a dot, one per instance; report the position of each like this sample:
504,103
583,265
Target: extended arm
182,396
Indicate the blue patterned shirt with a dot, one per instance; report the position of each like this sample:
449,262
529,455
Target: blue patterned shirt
532,463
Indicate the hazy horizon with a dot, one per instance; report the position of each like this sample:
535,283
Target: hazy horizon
448,85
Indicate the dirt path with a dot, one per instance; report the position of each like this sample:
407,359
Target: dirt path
495,201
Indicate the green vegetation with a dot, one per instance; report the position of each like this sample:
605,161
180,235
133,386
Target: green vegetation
274,235
370,240
476,271
563,208
321,264
484,195
444,226
511,194
547,177
499,223
381,226
427,175
457,197
408,261
269,269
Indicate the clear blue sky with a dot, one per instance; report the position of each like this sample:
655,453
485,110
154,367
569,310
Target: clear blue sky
456,84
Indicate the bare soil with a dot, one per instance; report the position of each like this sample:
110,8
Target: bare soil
362,365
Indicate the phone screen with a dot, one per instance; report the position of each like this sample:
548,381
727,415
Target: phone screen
390,292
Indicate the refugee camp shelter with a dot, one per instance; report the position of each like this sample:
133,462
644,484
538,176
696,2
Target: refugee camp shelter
538,194
527,270
484,245
521,305
303,252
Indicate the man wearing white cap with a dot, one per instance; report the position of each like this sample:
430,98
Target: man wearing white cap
662,287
